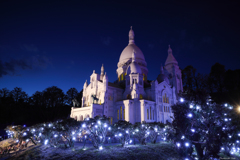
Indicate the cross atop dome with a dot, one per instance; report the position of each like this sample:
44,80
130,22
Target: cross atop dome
131,36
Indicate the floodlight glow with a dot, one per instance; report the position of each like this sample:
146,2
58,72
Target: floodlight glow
187,144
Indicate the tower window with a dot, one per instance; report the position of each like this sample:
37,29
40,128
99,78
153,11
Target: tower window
141,97
118,114
121,112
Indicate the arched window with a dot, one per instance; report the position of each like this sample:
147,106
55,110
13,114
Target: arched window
121,112
141,97
150,113
118,114
124,113
147,114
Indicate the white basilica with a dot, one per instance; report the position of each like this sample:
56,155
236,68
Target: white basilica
132,98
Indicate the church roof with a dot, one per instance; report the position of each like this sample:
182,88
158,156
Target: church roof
170,58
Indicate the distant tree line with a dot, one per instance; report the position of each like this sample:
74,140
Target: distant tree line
16,107
223,86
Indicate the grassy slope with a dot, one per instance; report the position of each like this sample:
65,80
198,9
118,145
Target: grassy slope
150,151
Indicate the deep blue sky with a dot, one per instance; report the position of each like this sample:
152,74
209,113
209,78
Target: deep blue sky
61,42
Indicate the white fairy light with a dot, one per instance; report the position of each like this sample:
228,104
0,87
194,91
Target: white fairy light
193,130
96,126
74,138
84,125
73,133
45,142
109,128
99,122
225,119
191,106
126,131
105,125
181,100
178,144
120,134
24,133
182,137
187,144
55,135
225,105
190,115
100,148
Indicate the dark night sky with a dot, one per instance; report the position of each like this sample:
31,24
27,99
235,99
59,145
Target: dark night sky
61,42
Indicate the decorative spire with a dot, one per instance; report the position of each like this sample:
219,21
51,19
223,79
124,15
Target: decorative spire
131,36
162,69
169,49
102,70
133,56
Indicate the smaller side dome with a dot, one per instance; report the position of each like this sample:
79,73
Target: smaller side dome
134,67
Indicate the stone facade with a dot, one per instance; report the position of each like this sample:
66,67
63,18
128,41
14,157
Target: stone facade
132,97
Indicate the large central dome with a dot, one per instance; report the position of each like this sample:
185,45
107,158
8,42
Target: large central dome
127,53
126,58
